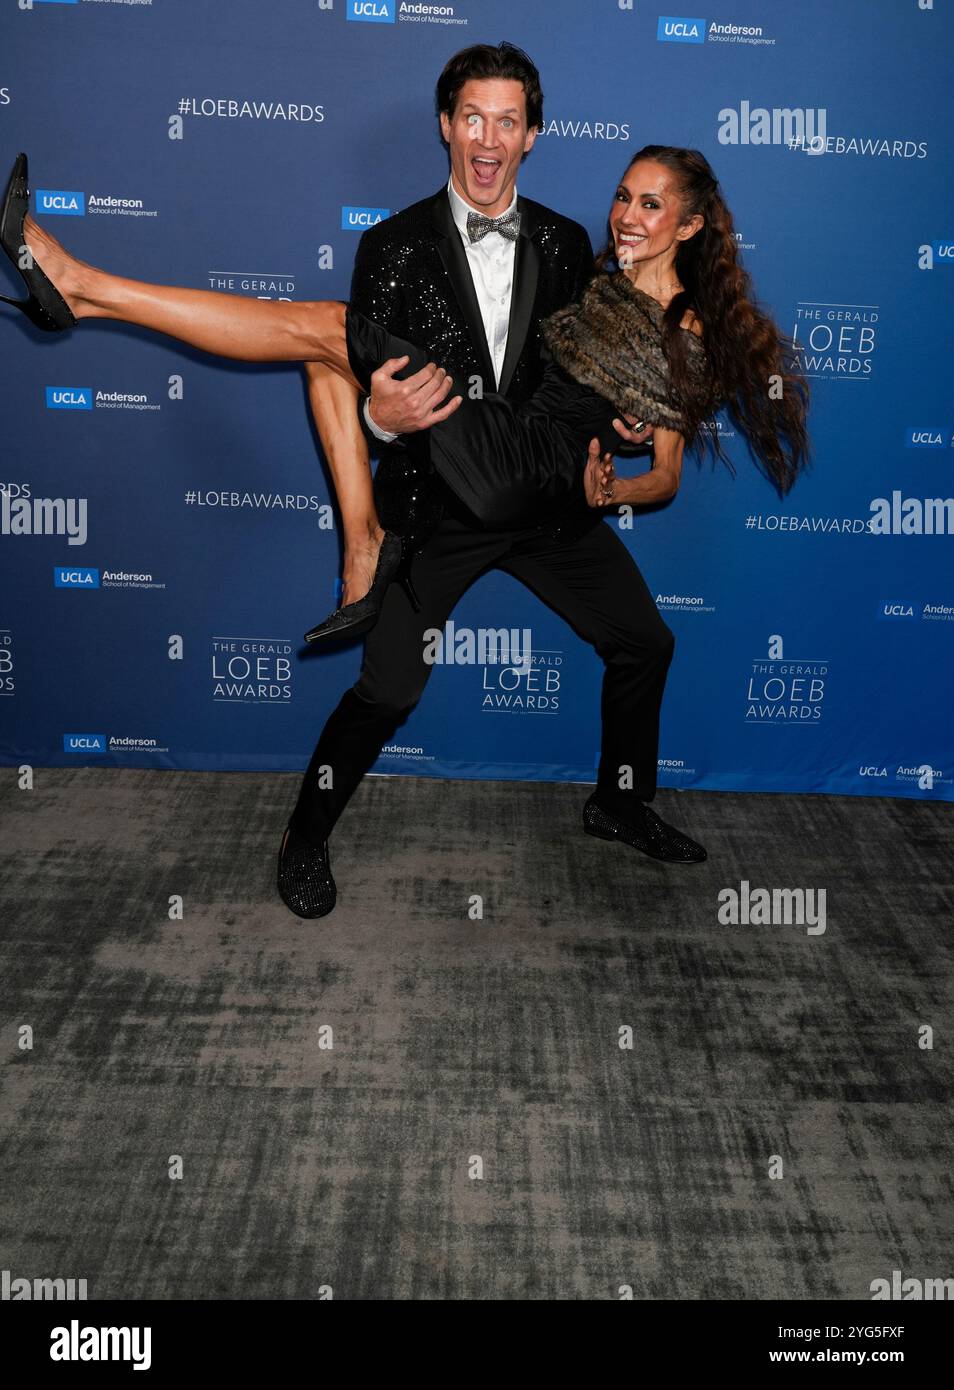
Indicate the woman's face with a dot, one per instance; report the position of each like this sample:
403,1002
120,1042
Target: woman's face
646,212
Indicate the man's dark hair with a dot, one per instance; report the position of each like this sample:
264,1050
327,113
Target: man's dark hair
482,61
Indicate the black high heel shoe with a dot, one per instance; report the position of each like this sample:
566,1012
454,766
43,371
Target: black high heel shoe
393,565
45,307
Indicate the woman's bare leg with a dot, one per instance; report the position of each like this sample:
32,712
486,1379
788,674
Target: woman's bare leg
252,330
228,325
334,404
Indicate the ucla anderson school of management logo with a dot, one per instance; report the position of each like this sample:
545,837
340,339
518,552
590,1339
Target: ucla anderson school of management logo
404,12
682,29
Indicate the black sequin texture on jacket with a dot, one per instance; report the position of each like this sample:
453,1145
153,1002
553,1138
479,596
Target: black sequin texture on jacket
412,278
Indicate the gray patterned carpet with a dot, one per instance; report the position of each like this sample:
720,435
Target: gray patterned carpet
461,1043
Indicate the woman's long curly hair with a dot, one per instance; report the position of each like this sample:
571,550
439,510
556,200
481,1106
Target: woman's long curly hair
753,366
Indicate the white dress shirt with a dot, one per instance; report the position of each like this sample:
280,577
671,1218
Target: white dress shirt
491,267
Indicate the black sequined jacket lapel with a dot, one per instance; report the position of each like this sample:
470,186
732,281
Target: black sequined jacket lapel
411,276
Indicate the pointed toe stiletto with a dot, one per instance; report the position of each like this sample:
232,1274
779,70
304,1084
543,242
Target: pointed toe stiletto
45,306
358,617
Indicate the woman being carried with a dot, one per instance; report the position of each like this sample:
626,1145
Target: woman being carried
668,337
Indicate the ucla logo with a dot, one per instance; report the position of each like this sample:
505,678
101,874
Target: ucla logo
675,30
64,578
69,398
66,202
872,772
84,743
943,251
927,437
360,219
896,610
372,11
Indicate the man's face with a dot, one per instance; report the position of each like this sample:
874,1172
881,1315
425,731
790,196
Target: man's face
487,137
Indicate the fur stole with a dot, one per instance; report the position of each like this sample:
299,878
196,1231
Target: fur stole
612,342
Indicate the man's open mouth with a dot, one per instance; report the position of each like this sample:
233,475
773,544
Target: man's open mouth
485,170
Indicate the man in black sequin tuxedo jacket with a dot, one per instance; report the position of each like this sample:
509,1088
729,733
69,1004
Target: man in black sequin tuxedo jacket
413,275
468,275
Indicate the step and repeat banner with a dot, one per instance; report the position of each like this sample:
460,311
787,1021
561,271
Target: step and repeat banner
168,530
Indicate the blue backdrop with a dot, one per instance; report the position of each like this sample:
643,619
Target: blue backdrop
166,529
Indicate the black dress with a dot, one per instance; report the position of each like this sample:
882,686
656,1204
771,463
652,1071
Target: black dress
515,464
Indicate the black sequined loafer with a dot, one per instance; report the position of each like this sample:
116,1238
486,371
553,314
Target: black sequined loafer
653,836
45,307
305,883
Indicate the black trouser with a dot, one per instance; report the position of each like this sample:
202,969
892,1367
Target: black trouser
592,581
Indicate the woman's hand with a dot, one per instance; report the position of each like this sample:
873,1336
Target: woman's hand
599,476
658,485
633,431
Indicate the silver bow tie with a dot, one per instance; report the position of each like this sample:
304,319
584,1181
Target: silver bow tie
508,225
